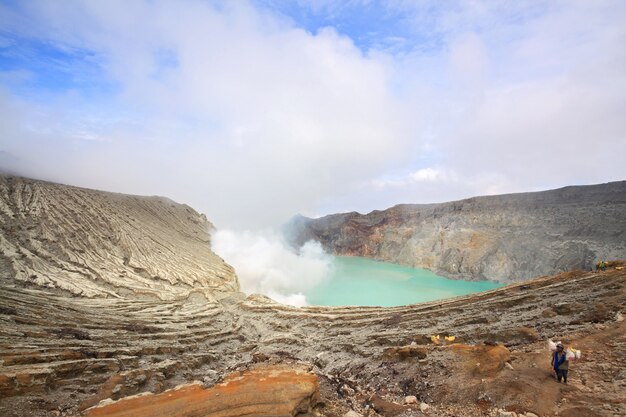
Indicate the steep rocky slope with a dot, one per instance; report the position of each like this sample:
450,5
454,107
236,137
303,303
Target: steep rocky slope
65,353
502,238
99,244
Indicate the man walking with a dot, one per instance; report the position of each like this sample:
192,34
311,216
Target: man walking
560,364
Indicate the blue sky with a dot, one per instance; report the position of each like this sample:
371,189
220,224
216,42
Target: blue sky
254,111
42,64
49,66
368,24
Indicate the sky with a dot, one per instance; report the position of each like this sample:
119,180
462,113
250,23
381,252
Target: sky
254,111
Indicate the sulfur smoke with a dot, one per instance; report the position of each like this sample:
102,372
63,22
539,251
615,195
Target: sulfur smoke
266,264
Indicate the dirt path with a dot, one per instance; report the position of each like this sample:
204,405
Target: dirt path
596,385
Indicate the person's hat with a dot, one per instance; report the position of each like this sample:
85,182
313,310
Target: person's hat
559,345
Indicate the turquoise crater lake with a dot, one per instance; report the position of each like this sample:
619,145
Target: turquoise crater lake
359,281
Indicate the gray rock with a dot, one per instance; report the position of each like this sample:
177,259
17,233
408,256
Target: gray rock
503,238
110,253
210,378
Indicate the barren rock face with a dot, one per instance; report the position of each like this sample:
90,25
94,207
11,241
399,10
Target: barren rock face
271,391
99,244
502,238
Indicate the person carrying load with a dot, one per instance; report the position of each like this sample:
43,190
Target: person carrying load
560,363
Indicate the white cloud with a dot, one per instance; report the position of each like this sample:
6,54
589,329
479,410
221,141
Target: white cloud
230,109
426,174
422,175
251,119
520,97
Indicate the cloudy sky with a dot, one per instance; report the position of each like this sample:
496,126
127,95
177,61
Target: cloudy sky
252,111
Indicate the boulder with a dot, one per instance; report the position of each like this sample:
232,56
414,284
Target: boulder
410,399
210,378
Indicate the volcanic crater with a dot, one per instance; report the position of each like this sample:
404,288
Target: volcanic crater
114,305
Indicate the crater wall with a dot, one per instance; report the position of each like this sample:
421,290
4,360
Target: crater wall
99,244
501,238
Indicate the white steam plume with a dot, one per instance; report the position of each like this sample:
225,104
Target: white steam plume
265,264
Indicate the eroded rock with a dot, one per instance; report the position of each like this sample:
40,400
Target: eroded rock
269,391
96,244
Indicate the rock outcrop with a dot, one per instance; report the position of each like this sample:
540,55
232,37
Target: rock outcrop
98,244
502,238
271,391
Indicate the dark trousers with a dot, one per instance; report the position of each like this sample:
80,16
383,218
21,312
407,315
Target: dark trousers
561,374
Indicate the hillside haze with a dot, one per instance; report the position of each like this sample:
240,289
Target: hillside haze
503,238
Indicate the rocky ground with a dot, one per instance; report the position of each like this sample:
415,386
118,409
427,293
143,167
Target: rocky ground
63,355
127,348
501,238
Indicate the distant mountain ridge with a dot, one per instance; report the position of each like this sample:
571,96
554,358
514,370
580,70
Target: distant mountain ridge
503,238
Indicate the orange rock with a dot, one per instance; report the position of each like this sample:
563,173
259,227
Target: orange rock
269,391
28,380
7,385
